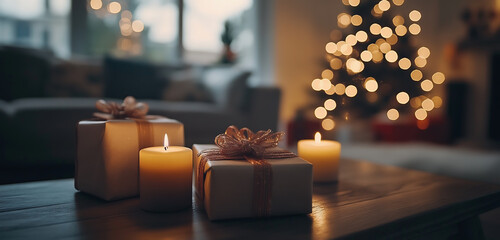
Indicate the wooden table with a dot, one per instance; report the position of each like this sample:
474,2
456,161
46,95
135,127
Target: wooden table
370,201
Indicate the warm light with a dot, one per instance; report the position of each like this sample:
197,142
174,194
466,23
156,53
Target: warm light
398,20
385,47
384,5
415,102
316,84
404,63
328,124
351,39
114,7
377,10
356,20
391,56
421,114
351,91
354,65
371,85
386,32
330,104
380,41
327,73
437,101
414,29
331,47
426,85
415,15
336,63
331,90
165,142
346,49
377,56
424,52
420,62
361,36
137,26
317,137
398,2
438,78
96,4
335,35
345,2
403,98
392,114
344,20
428,104
325,84
375,29
354,3
401,30
340,89
416,75
366,56
320,112
393,39
372,47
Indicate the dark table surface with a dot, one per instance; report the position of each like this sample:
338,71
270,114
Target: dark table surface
370,201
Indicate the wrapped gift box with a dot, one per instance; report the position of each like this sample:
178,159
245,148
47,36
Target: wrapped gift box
107,164
228,186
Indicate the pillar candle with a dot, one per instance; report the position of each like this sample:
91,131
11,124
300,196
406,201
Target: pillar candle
165,178
324,155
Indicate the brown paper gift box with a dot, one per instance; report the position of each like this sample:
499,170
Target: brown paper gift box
229,183
107,164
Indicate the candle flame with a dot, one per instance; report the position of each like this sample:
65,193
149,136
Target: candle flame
165,142
317,137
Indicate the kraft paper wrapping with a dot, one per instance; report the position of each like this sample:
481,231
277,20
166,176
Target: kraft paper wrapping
229,185
107,164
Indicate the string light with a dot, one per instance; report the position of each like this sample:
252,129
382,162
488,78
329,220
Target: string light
414,29
398,20
366,56
416,75
391,56
384,5
361,36
327,74
356,20
404,63
401,30
421,114
371,84
398,2
114,7
351,40
386,32
415,15
426,85
392,114
403,98
316,84
330,104
96,4
375,29
438,78
331,47
320,112
428,105
420,62
351,91
328,124
423,52
437,101
354,3
340,89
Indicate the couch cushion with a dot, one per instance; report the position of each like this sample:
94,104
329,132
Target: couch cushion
228,85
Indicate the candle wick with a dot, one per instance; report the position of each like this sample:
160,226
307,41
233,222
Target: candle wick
165,148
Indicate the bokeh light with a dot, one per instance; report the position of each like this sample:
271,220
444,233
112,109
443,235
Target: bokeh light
403,98
330,104
328,124
351,91
426,85
415,15
320,112
438,78
416,75
392,114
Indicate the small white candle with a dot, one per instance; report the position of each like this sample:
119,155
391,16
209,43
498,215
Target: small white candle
165,178
324,155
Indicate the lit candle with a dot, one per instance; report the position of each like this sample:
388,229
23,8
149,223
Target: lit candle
324,155
165,178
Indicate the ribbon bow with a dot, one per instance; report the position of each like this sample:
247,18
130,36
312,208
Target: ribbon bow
128,109
244,142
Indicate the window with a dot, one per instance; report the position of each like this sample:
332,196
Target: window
36,23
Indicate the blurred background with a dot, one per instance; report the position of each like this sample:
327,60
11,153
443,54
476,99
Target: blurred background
414,74
401,82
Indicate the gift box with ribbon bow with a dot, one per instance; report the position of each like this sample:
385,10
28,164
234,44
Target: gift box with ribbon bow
107,164
246,175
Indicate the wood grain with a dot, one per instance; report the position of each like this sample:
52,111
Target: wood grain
369,202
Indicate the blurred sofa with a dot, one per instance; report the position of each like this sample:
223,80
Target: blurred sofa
38,135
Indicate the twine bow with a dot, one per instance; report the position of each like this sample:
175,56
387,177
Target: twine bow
128,109
243,144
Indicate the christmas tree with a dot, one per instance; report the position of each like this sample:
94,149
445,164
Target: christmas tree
373,66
